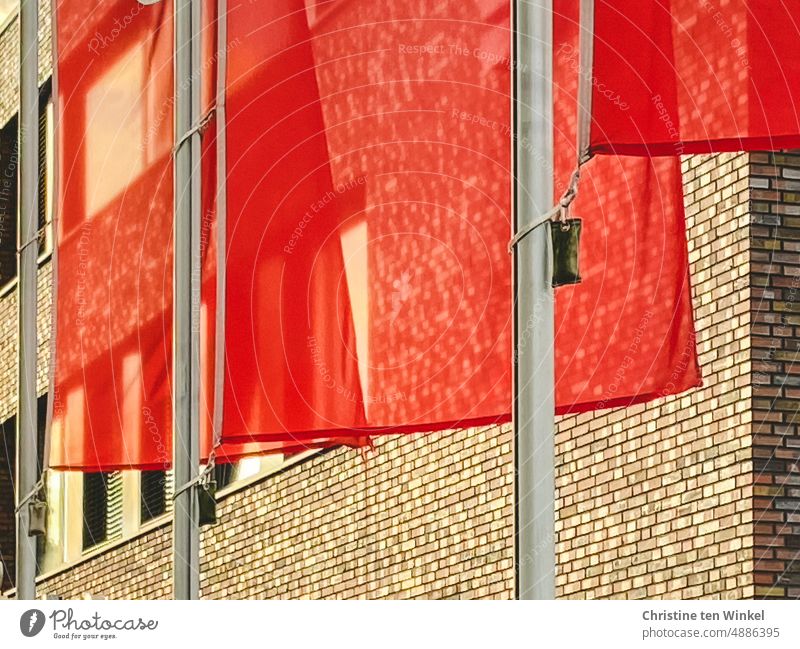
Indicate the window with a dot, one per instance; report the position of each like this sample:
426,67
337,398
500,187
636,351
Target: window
153,493
41,427
9,168
95,495
223,475
8,464
7,524
102,508
46,171
9,160
89,510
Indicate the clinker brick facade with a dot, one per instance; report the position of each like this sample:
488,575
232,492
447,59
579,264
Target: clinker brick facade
690,496
775,350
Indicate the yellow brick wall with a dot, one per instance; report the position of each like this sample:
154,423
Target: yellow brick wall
422,516
655,500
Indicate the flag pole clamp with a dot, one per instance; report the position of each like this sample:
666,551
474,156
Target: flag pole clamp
200,480
206,487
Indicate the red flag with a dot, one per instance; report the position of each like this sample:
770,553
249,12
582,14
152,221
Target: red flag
368,223
368,280
113,293
113,296
675,77
625,334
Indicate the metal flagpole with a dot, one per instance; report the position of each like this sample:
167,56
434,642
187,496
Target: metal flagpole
28,252
186,335
534,402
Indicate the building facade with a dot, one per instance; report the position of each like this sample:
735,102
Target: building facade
691,496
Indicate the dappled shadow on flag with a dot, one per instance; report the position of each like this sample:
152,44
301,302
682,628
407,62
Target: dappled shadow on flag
385,132
367,217
625,334
674,77
112,402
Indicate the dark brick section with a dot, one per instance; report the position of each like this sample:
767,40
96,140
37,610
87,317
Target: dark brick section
775,337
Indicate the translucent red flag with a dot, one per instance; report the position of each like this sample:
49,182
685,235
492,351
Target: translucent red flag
625,334
113,288
675,77
368,206
111,400
363,232
368,280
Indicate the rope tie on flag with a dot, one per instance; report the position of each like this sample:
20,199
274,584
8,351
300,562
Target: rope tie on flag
201,480
31,241
34,494
559,212
200,128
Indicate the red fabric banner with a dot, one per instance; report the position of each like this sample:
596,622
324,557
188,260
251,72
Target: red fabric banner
368,222
674,77
625,334
367,280
111,405
113,353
